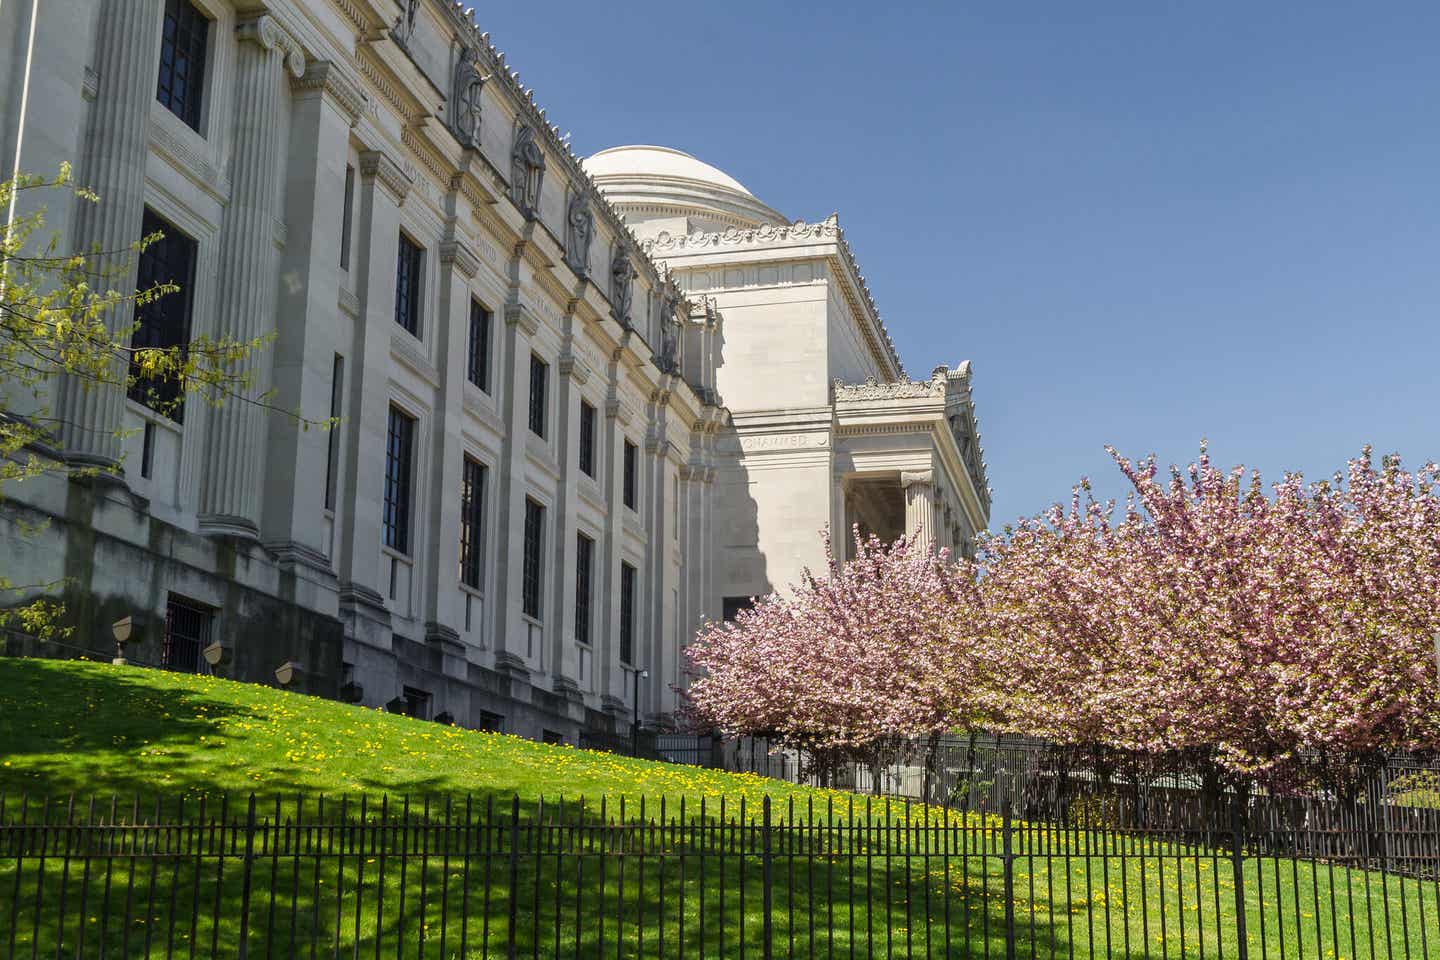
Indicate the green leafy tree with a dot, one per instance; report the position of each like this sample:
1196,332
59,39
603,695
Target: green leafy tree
68,314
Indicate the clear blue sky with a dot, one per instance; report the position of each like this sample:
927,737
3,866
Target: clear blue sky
1145,223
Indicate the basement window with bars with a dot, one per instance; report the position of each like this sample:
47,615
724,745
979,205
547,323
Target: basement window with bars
188,627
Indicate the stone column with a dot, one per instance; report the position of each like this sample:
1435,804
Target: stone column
115,145
234,460
920,506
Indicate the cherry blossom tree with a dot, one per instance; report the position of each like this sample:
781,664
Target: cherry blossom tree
852,664
1211,620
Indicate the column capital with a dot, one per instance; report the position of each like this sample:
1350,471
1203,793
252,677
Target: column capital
910,477
573,366
377,166
266,31
454,253
323,76
519,315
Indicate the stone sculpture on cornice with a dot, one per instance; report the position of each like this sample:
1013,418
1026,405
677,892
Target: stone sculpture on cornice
465,98
527,170
579,229
404,27
622,284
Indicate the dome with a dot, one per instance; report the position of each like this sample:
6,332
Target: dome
649,162
659,184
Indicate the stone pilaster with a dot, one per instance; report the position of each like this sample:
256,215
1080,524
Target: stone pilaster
513,381
444,604
324,107
920,520
115,145
384,187
234,461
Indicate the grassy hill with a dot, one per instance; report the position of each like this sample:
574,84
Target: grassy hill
93,729
81,727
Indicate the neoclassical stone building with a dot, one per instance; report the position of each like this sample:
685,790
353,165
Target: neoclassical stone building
582,407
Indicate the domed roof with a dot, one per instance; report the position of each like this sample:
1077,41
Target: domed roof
648,183
643,161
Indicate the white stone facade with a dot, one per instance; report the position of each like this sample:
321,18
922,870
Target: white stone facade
826,431
357,180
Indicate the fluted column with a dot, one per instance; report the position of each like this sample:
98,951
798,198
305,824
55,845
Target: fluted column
234,449
920,506
116,141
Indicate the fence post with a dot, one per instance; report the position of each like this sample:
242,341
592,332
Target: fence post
1009,862
766,878
1237,861
514,874
247,872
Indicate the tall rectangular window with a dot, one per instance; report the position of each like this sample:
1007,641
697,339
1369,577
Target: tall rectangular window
164,322
332,453
627,613
478,367
584,564
530,573
399,462
587,439
181,85
539,374
472,512
407,285
345,216
632,475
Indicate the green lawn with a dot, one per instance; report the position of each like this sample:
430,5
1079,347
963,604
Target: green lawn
98,730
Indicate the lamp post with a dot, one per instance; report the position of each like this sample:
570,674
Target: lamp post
635,721
121,630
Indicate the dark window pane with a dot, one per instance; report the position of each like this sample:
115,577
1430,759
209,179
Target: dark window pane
584,556
530,574
407,285
472,505
345,218
399,452
164,322
731,606
479,365
627,613
332,454
539,373
587,439
632,477
182,61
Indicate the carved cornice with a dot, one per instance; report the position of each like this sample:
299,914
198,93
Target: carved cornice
326,77
386,172
266,31
789,233
871,389
455,253
827,229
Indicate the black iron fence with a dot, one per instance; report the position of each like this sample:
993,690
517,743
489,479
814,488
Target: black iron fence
815,875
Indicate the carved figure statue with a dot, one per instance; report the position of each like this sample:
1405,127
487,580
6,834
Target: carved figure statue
579,228
405,23
527,170
622,276
465,98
